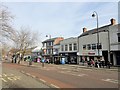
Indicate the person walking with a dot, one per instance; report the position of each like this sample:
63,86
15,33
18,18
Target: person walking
92,63
103,62
108,64
43,60
29,60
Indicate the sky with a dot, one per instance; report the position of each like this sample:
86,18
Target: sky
61,19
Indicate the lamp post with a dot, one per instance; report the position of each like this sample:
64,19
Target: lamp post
93,15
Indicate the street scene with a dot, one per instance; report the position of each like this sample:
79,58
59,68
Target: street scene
59,45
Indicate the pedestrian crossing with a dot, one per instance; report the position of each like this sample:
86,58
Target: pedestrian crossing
9,77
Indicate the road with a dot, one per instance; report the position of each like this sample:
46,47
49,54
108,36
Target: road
57,76
13,78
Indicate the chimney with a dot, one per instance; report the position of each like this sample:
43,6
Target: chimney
84,30
113,21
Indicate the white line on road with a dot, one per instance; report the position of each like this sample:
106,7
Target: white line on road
4,75
82,75
42,80
33,76
63,68
3,79
28,74
110,80
10,78
22,71
54,86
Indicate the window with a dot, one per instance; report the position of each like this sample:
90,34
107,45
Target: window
118,37
99,46
51,43
48,43
66,47
84,47
70,47
62,47
88,46
75,46
48,51
93,46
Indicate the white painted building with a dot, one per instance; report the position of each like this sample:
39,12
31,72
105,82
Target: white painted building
68,50
108,42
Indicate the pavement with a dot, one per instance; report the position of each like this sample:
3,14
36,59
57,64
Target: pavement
85,66
39,65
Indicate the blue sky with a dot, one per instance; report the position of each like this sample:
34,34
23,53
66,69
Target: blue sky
64,19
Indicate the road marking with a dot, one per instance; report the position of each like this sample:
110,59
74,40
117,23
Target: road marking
42,80
22,71
17,77
33,76
4,75
110,80
67,72
63,68
10,78
54,86
3,80
28,74
82,75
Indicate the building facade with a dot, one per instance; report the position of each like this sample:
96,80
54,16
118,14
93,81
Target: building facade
56,56
108,36
47,48
114,32
68,50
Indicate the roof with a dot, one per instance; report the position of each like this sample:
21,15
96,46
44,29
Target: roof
93,31
49,40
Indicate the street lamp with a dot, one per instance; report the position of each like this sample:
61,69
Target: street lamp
93,15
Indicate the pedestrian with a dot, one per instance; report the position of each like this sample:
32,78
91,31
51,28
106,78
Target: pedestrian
108,64
13,58
103,62
29,60
92,63
43,60
98,64
38,59
83,61
88,62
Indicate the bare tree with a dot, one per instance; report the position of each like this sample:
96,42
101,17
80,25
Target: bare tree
25,39
6,30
